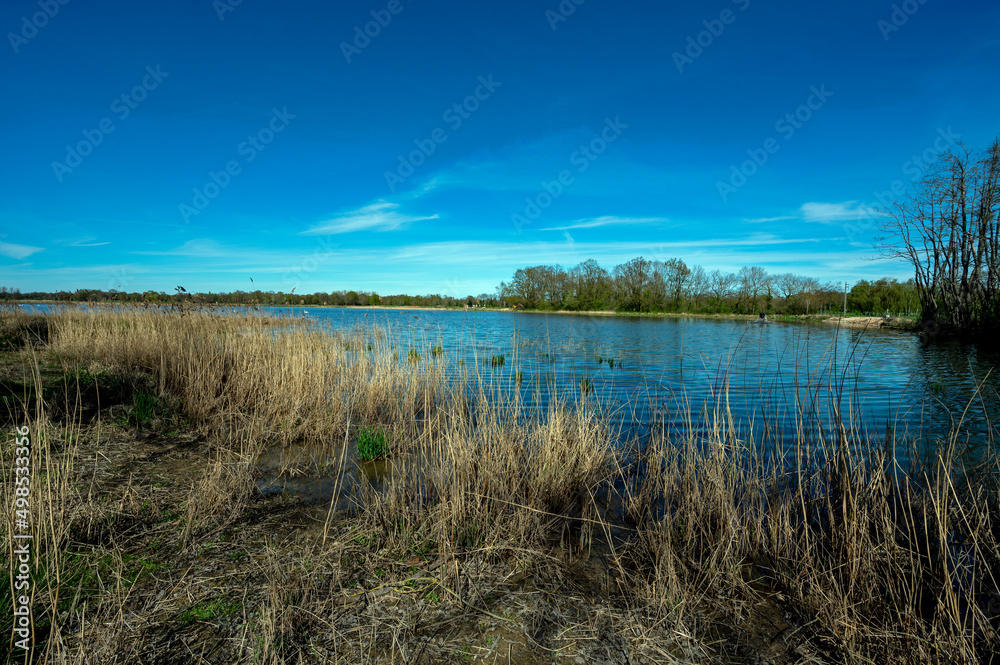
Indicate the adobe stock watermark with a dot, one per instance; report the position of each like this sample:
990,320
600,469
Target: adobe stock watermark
223,7
122,106
381,18
914,167
900,14
581,159
249,149
322,253
121,279
696,44
20,560
786,126
31,25
455,115
565,9
456,288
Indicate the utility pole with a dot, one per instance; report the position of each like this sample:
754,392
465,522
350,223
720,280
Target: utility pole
845,298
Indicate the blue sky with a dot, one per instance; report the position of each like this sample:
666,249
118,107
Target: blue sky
201,143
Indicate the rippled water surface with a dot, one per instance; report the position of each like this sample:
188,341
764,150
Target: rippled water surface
663,369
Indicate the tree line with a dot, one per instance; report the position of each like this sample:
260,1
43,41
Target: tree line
638,285
642,285
257,297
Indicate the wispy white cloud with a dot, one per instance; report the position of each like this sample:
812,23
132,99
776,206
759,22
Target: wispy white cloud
13,251
85,242
379,216
199,247
831,213
763,220
607,220
509,253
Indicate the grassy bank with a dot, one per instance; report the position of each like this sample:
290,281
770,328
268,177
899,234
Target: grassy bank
495,532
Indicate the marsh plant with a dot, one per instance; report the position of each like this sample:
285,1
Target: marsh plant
873,555
372,444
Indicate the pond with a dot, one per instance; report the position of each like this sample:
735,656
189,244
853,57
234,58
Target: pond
651,371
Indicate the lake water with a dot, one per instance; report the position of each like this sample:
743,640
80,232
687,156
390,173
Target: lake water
664,369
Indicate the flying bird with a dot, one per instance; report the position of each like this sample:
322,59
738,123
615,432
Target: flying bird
181,289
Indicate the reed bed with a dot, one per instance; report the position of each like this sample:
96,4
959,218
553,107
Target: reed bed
696,537
231,369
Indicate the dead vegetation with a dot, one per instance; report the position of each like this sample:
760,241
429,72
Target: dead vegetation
496,533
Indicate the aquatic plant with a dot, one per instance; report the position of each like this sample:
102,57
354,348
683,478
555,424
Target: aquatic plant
372,443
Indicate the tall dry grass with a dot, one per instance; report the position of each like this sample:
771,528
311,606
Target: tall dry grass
233,370
880,559
59,512
873,559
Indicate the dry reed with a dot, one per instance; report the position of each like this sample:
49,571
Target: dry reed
872,560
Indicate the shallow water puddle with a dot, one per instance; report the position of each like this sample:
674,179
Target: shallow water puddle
314,478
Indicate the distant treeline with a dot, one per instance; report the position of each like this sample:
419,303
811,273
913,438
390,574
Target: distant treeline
636,286
641,285
258,297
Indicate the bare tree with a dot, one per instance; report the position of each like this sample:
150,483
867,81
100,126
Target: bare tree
721,286
788,284
697,285
753,283
947,230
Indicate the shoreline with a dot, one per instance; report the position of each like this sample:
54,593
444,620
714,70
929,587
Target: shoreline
859,322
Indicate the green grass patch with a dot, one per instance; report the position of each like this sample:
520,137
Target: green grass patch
372,444
145,407
209,610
